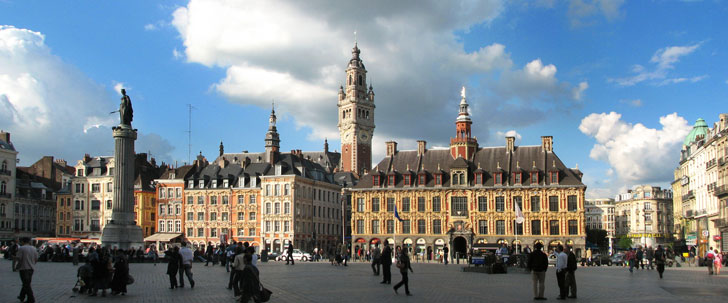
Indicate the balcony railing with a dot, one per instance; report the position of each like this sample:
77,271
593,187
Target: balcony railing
722,161
5,195
710,163
688,196
689,213
721,191
5,172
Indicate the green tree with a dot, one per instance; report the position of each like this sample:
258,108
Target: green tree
624,242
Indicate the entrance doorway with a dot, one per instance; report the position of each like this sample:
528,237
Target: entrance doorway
459,247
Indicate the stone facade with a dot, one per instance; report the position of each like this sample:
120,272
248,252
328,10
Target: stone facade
8,158
698,176
599,214
468,194
645,215
356,117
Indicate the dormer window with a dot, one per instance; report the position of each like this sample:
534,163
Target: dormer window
407,180
225,183
214,183
498,179
241,182
391,180
253,182
554,177
191,184
479,178
423,179
201,184
534,177
517,178
375,180
438,179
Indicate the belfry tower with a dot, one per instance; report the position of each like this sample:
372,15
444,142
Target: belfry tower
463,145
356,117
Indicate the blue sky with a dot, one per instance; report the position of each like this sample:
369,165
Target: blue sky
618,84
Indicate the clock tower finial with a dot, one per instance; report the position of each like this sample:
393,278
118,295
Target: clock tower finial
356,117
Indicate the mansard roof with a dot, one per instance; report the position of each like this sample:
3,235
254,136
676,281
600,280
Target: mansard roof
490,160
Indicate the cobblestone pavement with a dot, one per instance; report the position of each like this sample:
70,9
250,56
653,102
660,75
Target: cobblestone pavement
321,282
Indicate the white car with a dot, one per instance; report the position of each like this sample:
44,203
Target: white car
298,255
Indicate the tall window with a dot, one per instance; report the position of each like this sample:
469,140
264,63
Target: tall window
277,225
360,226
190,200
287,189
518,200
277,208
225,200
252,199
267,208
554,227
553,203
375,204
213,216
360,205
224,216
535,227
178,209
421,204
406,204
517,178
287,207
500,203
95,205
213,200
421,226
459,206
278,190
500,227
108,204
436,204
498,178
518,228
390,226
241,199
571,202
267,226
95,188
535,203
213,232
483,227
406,226
390,204
161,226
573,228
251,232
200,200
286,226
375,226
436,226
482,203
200,216
251,216
267,190
190,216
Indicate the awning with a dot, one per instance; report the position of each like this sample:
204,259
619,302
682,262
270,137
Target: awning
162,237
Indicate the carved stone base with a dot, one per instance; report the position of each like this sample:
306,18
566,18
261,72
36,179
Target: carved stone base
122,236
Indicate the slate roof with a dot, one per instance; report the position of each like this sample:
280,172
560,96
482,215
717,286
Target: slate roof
490,160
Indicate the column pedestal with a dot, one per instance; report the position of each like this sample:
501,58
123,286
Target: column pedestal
122,232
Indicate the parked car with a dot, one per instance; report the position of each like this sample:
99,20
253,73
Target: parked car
618,259
600,259
273,255
552,259
298,255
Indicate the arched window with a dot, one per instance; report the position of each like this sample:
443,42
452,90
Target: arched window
2,187
4,165
350,80
2,209
267,208
361,81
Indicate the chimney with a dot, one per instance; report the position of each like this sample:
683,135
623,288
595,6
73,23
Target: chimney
222,162
4,136
391,148
510,142
86,158
326,145
547,144
421,147
61,162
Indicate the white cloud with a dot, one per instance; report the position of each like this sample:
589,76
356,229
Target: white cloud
296,52
177,54
664,60
637,154
578,90
49,106
118,86
511,133
150,27
583,12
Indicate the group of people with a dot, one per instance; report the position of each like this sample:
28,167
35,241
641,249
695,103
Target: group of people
565,271
714,261
104,269
382,263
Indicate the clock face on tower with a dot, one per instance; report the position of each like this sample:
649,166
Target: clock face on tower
364,136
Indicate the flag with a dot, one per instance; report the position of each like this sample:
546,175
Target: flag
519,214
396,214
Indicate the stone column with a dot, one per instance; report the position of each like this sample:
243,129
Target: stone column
122,231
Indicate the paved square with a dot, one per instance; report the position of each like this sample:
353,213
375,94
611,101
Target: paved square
321,282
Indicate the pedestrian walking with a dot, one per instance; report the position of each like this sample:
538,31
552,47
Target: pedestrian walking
538,263
717,262
386,260
238,267
76,253
173,261
445,252
151,255
650,254
660,257
186,257
561,267
570,273
630,257
13,251
121,274
290,254
403,264
376,259
209,251
709,258
24,262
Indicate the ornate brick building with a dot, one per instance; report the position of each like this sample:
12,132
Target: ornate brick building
467,194
356,117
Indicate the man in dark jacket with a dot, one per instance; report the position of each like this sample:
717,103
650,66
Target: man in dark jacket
570,269
538,263
386,260
290,254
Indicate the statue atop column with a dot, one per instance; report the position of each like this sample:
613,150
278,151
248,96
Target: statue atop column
126,113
